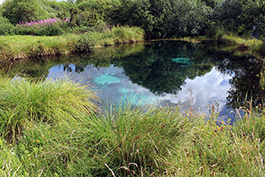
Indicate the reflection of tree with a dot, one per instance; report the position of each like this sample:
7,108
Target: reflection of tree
245,87
159,77
39,68
154,69
245,82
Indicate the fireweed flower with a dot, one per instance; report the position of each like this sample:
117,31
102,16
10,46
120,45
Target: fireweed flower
45,22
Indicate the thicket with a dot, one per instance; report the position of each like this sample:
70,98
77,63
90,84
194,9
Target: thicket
159,19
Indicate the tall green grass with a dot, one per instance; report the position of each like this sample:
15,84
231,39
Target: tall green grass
138,142
23,100
60,132
25,47
123,141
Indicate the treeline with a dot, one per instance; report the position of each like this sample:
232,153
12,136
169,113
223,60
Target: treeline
159,19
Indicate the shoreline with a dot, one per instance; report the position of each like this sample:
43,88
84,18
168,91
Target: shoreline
24,47
20,48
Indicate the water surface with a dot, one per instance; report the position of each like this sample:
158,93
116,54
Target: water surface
163,72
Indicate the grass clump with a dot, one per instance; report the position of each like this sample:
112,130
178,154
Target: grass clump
116,35
217,148
123,142
23,100
135,141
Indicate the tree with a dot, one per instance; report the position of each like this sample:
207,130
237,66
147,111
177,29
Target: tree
239,15
23,10
164,18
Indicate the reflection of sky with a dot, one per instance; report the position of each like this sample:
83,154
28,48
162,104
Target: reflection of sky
204,90
113,85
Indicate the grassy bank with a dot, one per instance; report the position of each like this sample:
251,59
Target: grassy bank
25,47
56,131
239,45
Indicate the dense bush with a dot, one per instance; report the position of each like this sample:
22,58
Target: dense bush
23,10
240,16
5,26
164,18
102,7
89,18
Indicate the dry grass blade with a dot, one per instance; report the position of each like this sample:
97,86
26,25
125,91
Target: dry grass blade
112,172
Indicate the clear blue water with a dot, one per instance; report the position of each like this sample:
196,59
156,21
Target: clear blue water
112,84
163,72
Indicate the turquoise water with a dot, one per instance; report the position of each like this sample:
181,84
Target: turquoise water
161,73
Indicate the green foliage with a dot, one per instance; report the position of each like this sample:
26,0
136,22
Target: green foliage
133,139
117,35
45,5
45,30
73,15
85,43
23,10
5,51
6,28
126,141
164,18
88,18
240,16
102,7
219,148
61,6
10,163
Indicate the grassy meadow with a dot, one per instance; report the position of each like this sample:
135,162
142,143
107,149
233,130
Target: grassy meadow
23,47
58,128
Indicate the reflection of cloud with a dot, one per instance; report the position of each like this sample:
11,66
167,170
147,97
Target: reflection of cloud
204,91
199,92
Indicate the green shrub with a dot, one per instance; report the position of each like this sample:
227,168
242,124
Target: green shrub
88,18
6,28
85,43
45,30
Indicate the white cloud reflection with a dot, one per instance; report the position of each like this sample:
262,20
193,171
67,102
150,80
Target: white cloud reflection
202,91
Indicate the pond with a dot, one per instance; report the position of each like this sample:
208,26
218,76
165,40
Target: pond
161,72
